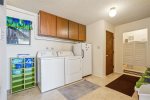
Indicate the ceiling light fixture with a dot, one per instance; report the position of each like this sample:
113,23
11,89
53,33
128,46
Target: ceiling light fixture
112,12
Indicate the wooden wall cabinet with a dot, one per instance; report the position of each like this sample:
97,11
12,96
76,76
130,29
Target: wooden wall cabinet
54,26
82,32
62,28
47,25
73,30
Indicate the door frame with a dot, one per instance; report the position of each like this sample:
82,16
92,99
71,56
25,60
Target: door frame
106,52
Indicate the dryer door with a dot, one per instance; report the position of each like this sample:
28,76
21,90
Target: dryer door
73,69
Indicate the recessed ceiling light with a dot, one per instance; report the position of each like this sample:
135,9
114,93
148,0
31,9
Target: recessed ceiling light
112,12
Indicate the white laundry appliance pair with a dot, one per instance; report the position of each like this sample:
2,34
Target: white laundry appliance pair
57,69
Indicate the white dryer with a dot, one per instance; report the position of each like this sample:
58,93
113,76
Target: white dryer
73,66
50,70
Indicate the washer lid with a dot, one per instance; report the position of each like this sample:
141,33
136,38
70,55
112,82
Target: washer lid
46,53
65,53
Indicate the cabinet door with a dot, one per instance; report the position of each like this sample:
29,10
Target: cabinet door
47,24
62,27
73,30
82,32
42,23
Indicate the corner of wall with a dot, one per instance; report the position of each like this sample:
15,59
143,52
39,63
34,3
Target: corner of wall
3,69
96,35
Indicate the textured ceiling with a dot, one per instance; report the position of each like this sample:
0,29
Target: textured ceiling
89,11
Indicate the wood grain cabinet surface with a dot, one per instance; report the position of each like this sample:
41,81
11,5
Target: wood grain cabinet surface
73,30
62,28
54,26
47,25
82,32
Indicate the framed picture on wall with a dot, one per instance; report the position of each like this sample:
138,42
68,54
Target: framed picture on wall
18,31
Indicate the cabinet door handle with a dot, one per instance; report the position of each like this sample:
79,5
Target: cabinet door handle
82,53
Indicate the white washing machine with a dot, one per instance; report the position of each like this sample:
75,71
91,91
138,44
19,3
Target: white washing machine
73,66
50,70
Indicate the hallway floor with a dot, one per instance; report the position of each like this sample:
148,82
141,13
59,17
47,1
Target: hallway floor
102,93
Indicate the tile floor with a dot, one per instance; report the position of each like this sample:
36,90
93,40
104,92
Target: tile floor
102,93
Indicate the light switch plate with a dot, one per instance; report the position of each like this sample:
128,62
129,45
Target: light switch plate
98,47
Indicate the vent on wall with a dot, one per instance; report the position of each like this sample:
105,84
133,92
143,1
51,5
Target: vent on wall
1,2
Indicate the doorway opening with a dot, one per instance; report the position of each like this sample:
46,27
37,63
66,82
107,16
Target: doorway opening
135,51
109,52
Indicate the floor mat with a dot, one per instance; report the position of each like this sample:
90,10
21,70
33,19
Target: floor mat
124,84
75,91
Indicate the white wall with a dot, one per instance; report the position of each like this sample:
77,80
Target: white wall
109,27
96,34
119,30
37,43
137,35
3,92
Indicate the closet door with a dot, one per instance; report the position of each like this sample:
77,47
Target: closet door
128,53
140,49
134,53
